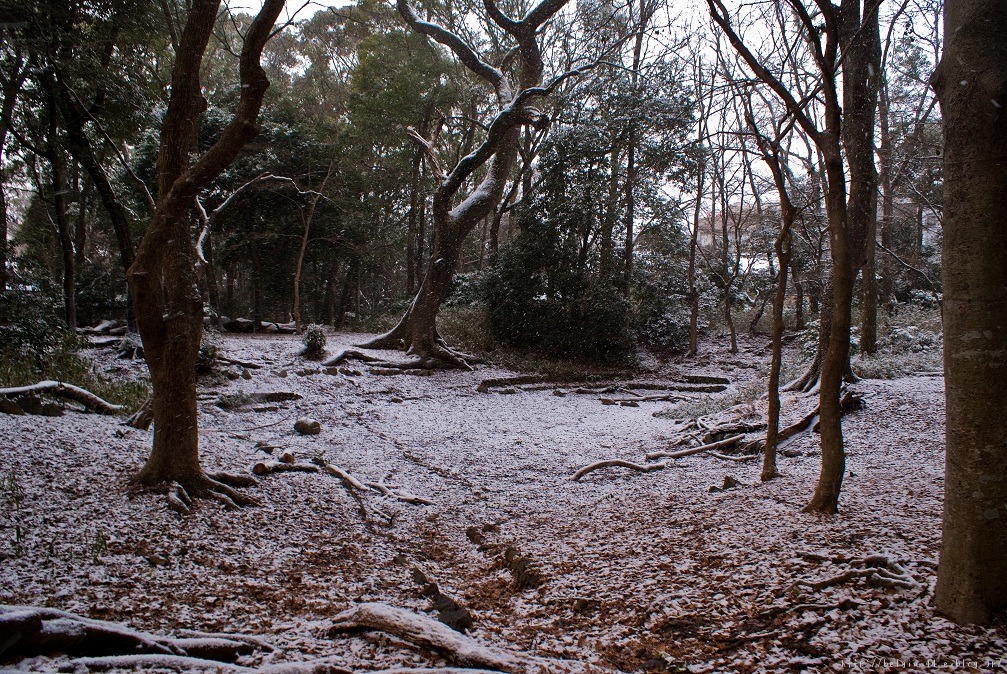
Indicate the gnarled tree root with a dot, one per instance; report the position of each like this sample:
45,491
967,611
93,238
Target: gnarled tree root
877,570
431,634
68,391
35,631
217,486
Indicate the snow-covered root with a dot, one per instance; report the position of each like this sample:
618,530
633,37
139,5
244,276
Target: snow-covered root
618,463
31,631
143,417
430,634
732,441
180,494
354,485
877,570
350,354
68,391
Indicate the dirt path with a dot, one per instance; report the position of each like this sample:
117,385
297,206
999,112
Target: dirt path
638,571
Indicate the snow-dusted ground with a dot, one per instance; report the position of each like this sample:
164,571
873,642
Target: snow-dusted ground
642,572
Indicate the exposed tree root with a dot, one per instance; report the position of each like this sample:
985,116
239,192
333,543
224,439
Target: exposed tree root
240,363
350,354
182,491
431,634
36,631
270,467
877,570
618,463
68,391
379,487
143,417
732,441
398,493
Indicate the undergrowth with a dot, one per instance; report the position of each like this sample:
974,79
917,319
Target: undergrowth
66,365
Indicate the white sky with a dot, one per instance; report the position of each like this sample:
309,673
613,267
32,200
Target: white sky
303,9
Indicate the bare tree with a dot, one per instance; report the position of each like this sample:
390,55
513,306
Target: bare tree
416,332
821,33
169,309
971,84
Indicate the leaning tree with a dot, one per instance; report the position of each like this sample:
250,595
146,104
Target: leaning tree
971,84
454,215
163,276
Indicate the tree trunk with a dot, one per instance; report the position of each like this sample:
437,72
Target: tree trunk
60,191
304,247
11,91
782,246
861,70
169,309
416,332
887,196
971,84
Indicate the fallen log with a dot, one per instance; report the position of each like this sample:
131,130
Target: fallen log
68,391
722,444
431,634
617,463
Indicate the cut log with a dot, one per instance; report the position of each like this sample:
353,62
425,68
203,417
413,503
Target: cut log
722,444
431,634
617,463
68,391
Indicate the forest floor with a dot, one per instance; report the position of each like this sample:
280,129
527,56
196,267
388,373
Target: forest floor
621,571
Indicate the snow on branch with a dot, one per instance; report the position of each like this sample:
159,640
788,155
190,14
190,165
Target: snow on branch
464,52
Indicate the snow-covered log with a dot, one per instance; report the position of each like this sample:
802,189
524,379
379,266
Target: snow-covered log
68,391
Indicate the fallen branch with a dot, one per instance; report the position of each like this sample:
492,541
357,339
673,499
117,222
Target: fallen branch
720,444
617,463
68,391
431,634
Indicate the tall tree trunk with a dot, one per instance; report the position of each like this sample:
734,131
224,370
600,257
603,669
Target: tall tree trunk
861,73
304,247
971,84
169,309
61,193
887,196
11,91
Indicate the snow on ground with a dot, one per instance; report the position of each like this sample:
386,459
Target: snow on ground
642,572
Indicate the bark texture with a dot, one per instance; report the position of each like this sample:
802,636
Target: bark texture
971,83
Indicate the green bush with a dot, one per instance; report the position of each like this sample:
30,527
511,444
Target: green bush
36,345
314,340
537,299
206,359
